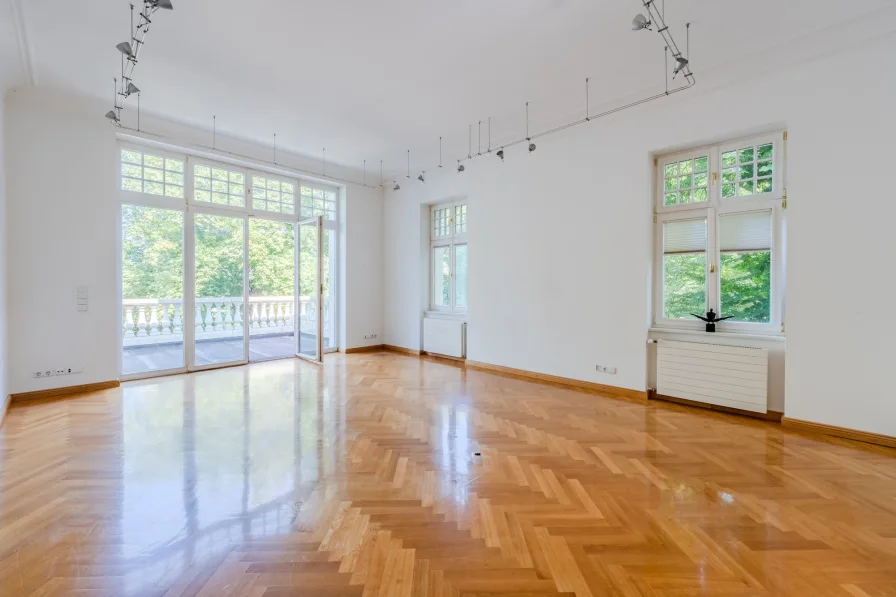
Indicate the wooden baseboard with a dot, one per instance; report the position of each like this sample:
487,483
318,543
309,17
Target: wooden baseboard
4,408
66,391
402,350
563,381
771,415
434,355
357,349
842,432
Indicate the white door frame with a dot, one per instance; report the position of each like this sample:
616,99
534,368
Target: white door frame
316,221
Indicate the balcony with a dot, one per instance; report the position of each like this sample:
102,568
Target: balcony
153,330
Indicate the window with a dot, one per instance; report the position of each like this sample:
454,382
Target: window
719,213
448,257
273,194
745,265
152,174
218,185
684,268
318,201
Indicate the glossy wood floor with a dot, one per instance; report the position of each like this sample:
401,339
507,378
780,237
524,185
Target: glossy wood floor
360,478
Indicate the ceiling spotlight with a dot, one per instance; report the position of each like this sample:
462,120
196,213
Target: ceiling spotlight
166,4
680,63
500,154
132,89
641,22
111,115
460,167
531,147
125,48
395,186
420,178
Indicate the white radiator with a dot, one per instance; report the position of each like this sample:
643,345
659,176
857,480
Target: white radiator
733,376
444,336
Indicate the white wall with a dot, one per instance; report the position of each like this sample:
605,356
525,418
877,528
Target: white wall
62,206
560,240
4,252
364,273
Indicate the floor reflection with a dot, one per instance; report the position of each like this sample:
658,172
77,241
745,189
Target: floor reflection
216,458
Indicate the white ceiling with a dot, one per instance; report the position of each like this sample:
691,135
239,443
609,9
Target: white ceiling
368,80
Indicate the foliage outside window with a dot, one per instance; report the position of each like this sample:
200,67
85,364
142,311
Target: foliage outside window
717,247
153,238
448,257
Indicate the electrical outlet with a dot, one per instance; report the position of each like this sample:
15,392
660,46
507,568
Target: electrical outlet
370,336
44,373
605,369
62,371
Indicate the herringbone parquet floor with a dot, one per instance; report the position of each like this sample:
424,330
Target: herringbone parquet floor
380,475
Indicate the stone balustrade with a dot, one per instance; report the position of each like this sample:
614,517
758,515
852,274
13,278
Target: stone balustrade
161,321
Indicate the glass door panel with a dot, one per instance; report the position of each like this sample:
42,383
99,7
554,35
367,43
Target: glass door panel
219,310
152,289
272,278
310,314
328,267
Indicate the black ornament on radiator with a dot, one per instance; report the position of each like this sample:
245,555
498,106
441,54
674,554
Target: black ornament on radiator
711,319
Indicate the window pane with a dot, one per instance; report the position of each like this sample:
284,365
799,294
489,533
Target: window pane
460,276
746,286
684,285
441,277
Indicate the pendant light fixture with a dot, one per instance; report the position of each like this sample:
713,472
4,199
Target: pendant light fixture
129,50
500,154
395,186
420,178
460,167
640,23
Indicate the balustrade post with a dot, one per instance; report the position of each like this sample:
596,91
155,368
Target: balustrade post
237,315
129,325
178,322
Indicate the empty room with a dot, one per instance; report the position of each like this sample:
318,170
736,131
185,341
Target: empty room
443,299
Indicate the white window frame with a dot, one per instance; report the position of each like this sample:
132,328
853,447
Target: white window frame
188,205
192,162
148,199
451,241
272,215
712,209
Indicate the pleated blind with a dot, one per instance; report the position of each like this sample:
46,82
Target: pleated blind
750,231
684,236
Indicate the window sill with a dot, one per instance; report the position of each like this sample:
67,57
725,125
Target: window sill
726,335
453,315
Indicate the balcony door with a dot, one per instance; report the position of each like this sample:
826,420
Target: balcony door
272,279
219,290
310,313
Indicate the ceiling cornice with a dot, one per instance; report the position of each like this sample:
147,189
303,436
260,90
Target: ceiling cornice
22,39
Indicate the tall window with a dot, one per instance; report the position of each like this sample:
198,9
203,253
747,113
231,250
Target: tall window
448,256
719,221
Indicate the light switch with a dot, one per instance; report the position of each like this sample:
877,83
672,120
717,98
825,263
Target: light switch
82,298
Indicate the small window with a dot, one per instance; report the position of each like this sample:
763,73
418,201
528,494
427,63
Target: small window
748,171
273,194
448,256
152,174
686,181
745,242
441,222
318,201
219,186
684,268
